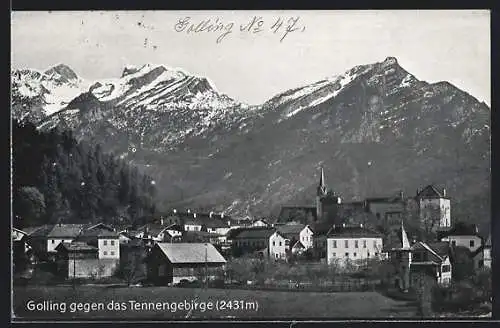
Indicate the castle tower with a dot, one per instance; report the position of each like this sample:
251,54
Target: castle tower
320,193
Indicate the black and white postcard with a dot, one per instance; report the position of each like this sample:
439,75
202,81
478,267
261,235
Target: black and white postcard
262,165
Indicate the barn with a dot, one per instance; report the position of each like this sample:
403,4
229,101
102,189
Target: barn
172,262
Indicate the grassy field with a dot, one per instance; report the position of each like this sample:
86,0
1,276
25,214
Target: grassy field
245,304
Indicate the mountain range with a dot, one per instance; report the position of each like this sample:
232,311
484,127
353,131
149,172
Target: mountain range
376,129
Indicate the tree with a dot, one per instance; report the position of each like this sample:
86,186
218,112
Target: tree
30,206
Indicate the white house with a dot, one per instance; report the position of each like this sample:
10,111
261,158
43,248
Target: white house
62,233
297,232
352,244
434,207
193,223
279,246
465,235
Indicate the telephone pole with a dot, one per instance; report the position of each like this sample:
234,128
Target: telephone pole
206,266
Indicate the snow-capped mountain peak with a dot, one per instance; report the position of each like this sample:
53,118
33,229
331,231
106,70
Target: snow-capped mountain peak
49,91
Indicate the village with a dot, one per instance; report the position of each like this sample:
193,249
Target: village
328,246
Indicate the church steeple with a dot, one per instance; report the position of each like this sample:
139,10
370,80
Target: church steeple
322,185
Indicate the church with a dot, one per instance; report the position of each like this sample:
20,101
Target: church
376,211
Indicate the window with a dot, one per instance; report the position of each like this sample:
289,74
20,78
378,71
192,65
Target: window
346,244
334,244
105,253
334,254
376,254
274,243
53,241
112,253
356,244
62,241
374,244
280,243
346,254
445,268
105,242
354,254
276,255
453,243
364,243
471,243
112,242
368,254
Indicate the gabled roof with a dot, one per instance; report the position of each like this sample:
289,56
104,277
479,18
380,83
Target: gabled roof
298,244
65,230
191,253
438,250
98,226
290,230
253,233
77,246
431,191
320,228
99,232
352,232
460,229
152,229
40,231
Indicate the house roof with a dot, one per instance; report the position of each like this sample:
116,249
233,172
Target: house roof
438,250
460,229
99,226
289,230
77,246
99,232
153,229
298,244
191,252
40,231
65,230
261,220
320,228
389,199
253,233
431,191
352,232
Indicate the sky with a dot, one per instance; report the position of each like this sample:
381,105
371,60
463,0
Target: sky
253,66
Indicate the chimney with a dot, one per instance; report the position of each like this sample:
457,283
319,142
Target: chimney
343,225
444,192
401,194
174,210
161,220
339,200
189,211
222,215
210,214
361,225
228,223
194,215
